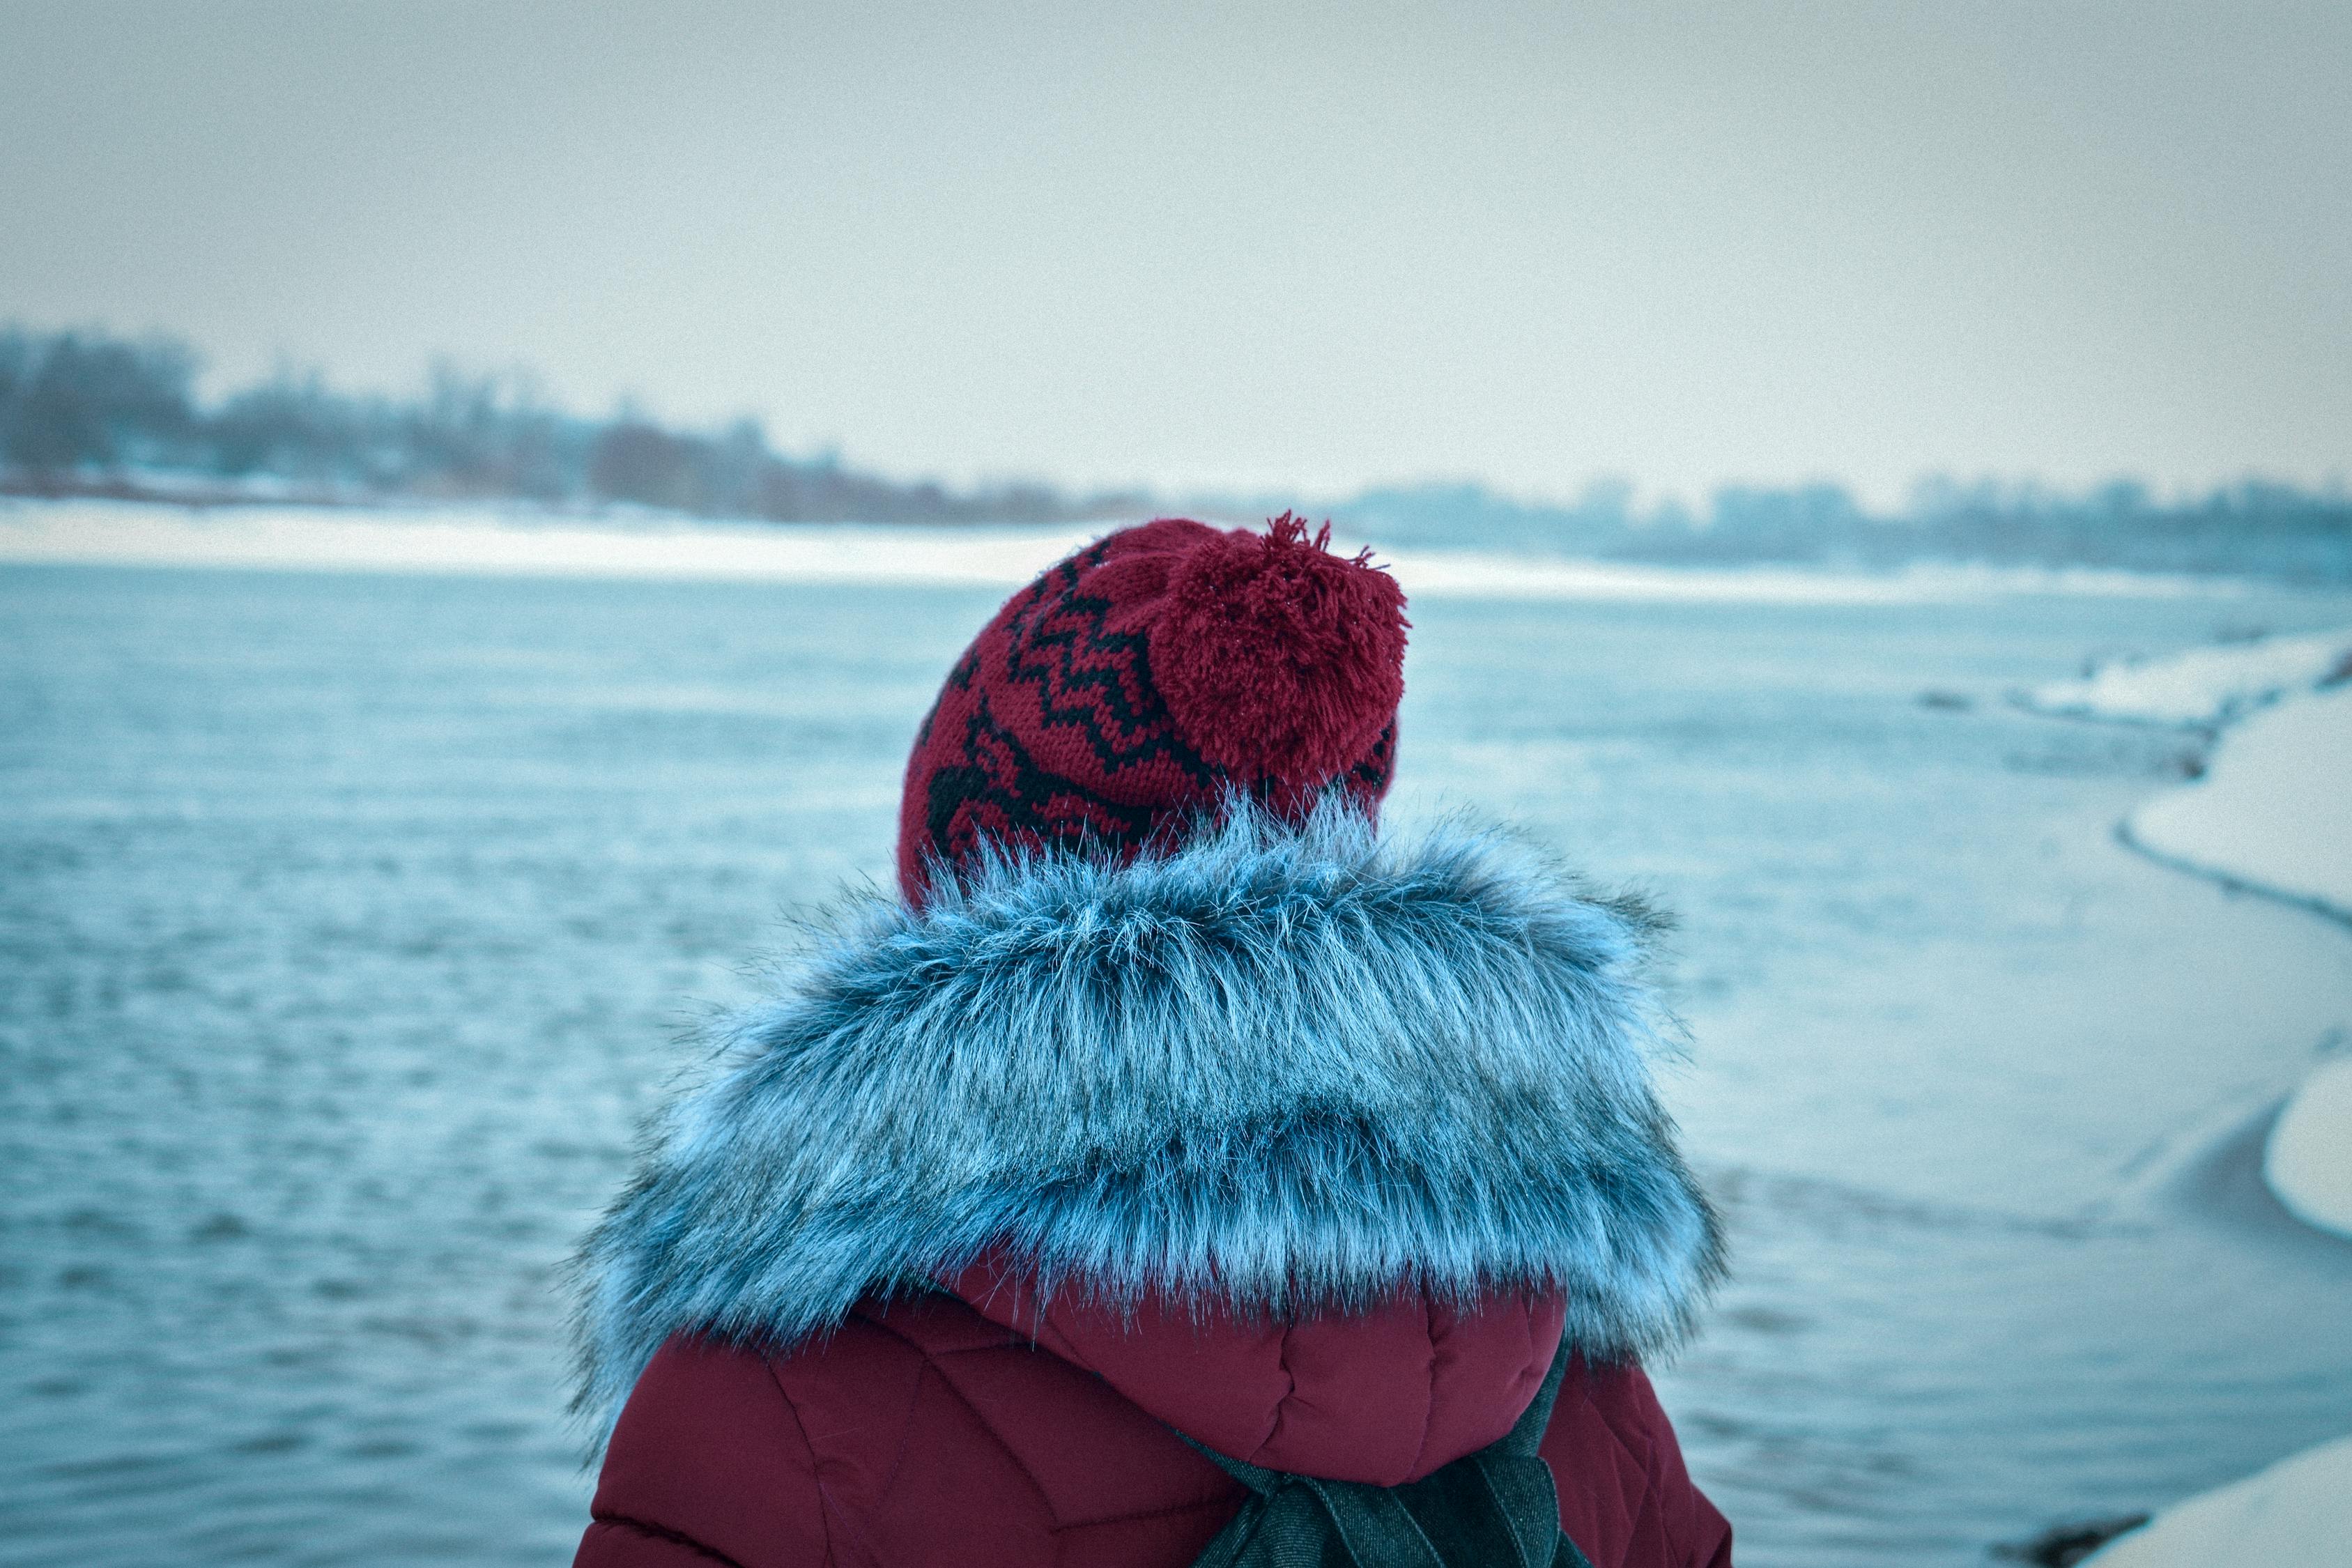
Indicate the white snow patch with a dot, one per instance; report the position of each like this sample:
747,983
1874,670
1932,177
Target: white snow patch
2275,807
2205,686
2273,812
514,541
1468,575
495,542
2296,1514
2309,1160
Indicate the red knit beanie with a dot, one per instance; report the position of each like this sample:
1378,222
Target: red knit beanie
1128,689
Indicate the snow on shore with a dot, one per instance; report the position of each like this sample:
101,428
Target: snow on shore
2291,1515
2273,811
2205,686
514,541
2308,1160
2274,808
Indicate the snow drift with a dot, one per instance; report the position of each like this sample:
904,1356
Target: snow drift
2207,687
2273,812
2291,1515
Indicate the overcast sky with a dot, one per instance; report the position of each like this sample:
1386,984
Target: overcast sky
1261,244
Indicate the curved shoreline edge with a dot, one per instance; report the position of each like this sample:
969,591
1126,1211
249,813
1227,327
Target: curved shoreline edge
2272,816
2290,1515
2277,806
2227,881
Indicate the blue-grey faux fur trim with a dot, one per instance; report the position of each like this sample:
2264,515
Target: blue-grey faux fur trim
1278,1069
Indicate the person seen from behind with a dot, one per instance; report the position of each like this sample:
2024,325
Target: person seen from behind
1177,1171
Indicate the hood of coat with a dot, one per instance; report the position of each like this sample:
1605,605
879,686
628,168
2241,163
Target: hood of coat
1385,1392
1286,1071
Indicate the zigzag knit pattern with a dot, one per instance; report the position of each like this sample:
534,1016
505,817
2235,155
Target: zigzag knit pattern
1052,731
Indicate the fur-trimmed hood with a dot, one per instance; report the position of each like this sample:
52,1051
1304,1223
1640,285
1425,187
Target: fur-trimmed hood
1278,1070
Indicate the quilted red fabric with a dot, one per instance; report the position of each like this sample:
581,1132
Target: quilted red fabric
985,1429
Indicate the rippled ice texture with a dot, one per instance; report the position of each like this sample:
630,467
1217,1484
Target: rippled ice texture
347,925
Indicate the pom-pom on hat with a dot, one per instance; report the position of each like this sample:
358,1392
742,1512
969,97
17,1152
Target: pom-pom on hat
1131,688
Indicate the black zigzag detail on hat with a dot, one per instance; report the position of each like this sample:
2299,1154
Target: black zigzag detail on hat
1378,764
958,679
1047,658
1025,799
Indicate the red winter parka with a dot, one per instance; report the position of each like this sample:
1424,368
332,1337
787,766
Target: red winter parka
932,1434
1307,1145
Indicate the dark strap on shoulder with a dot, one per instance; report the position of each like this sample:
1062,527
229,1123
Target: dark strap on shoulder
1492,1509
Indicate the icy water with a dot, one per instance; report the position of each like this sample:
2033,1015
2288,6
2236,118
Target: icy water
348,923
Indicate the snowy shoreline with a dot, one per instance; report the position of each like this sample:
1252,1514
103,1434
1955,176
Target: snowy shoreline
2204,688
2291,1515
516,541
2271,813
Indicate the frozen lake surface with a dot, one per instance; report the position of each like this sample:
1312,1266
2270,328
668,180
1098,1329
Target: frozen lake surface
348,921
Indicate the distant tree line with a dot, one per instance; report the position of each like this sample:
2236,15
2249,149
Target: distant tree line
86,411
